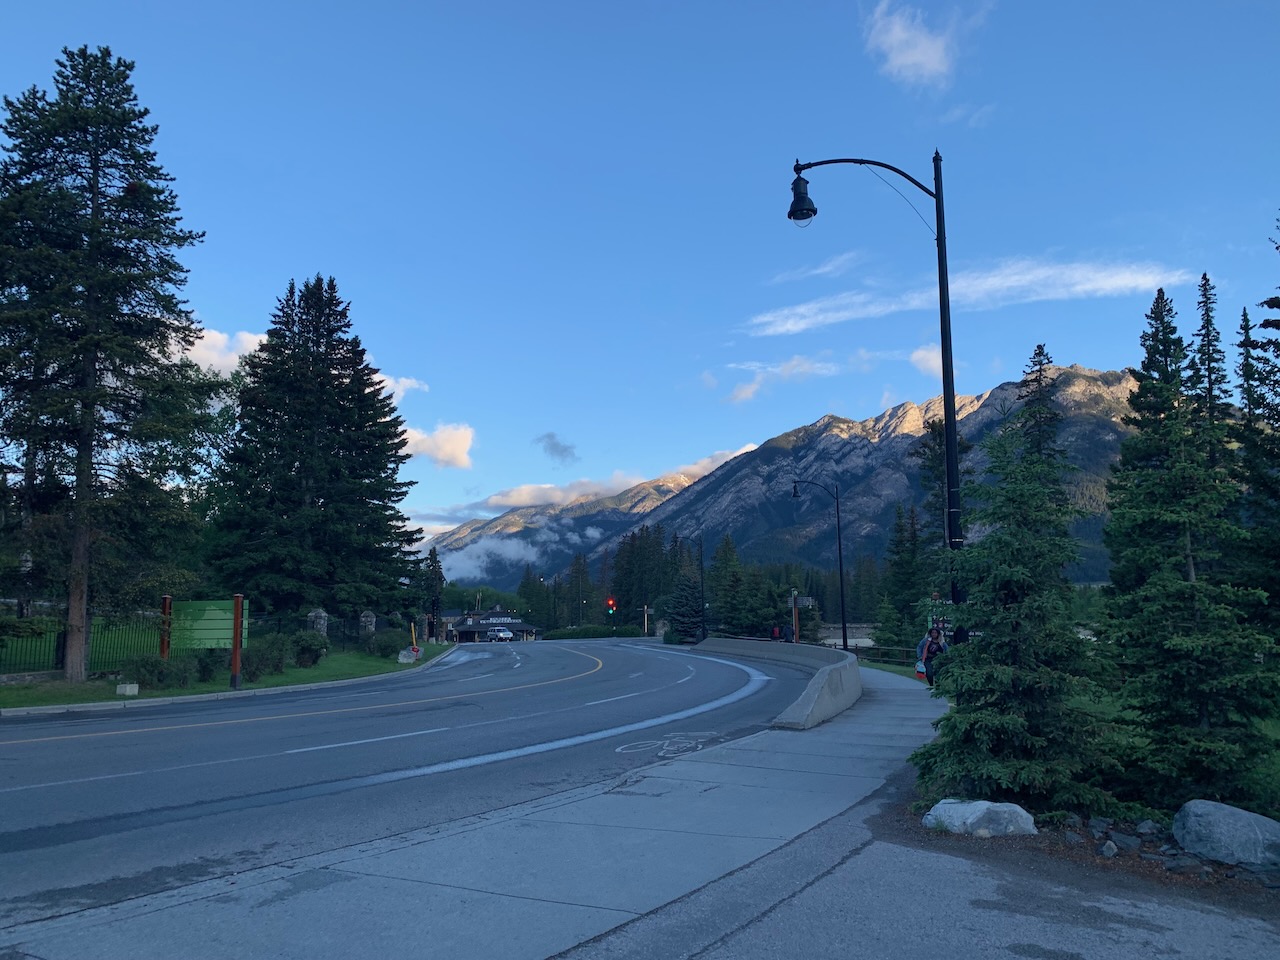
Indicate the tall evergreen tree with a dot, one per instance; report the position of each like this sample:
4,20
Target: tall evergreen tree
90,317
308,494
1015,731
1195,682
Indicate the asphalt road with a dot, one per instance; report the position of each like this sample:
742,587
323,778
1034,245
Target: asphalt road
100,807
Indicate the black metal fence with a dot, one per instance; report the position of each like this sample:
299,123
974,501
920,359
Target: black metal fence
38,644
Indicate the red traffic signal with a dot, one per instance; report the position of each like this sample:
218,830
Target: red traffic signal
612,604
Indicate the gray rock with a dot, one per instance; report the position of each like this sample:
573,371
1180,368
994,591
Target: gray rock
1147,828
1072,837
1074,822
1125,842
980,818
1108,849
1227,834
1186,864
1100,823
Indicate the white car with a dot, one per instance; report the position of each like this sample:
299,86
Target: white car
499,633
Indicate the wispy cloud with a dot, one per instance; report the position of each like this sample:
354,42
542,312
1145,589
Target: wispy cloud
223,351
833,267
399,386
1023,280
557,449
449,445
908,50
970,115
797,368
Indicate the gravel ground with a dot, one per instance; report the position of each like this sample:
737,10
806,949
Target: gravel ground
1054,854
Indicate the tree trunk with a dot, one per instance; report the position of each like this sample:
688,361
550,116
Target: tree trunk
78,623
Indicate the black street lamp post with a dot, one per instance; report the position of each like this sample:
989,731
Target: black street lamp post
803,210
795,494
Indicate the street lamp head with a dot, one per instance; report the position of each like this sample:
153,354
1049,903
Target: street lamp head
802,209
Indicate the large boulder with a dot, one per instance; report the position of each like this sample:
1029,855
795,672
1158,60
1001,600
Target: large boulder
1227,834
980,818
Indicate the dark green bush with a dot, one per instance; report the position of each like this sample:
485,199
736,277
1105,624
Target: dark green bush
388,641
145,669
151,672
210,662
308,647
254,662
276,650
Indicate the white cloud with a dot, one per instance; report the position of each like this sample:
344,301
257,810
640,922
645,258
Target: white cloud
222,351
473,560
448,446
797,368
832,267
910,52
888,398
700,468
928,359
399,386
547,494
1014,281
864,360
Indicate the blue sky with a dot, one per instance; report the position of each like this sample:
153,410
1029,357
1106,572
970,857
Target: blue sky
562,225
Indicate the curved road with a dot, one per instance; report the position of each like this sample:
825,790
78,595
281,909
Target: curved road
101,807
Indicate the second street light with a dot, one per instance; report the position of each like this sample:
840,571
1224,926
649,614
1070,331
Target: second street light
795,495
803,210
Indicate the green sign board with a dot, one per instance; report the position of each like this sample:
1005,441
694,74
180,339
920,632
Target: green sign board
201,624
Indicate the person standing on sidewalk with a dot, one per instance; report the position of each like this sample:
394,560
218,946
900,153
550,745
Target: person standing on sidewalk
928,651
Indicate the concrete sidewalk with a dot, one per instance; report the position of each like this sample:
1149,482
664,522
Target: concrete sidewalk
529,881
758,848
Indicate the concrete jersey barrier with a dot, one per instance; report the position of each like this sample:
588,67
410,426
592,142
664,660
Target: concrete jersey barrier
834,688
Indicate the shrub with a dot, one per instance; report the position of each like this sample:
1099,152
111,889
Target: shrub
254,662
210,662
388,642
308,647
277,648
145,669
151,672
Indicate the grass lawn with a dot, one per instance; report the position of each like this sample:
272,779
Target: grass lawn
344,665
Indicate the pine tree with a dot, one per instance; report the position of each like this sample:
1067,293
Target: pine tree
686,603
1195,683
307,497
90,318
1015,732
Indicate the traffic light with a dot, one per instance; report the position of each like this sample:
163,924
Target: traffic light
612,604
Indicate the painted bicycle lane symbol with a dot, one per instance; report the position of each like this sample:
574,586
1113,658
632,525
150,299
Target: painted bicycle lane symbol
672,745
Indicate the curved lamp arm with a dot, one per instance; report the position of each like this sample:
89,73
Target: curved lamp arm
802,167
795,491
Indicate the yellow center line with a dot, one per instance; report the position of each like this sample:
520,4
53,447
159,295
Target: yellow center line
314,713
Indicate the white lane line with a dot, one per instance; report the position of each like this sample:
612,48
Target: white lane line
625,696
469,679
356,743
756,680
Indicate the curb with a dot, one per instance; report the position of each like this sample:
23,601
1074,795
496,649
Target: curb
201,697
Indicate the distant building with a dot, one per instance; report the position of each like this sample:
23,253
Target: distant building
472,627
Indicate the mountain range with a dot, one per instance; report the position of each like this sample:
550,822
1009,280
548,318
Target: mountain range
750,498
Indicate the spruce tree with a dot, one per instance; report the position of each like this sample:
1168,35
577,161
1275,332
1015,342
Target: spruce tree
90,317
308,494
1016,731
1195,683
